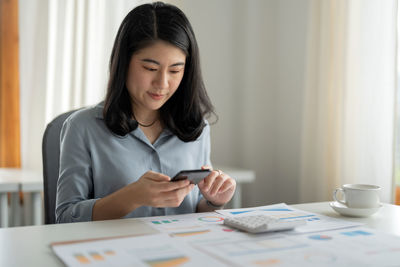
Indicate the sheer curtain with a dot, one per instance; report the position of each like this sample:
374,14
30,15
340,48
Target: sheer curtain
348,125
65,48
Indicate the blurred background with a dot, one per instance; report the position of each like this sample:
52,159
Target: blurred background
305,90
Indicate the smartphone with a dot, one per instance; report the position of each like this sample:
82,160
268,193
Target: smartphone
194,176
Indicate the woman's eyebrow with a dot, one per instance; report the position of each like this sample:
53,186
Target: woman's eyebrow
158,63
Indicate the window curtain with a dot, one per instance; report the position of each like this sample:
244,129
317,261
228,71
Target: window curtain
65,49
348,125
9,85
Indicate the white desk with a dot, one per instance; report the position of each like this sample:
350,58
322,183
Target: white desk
25,181
29,245
387,219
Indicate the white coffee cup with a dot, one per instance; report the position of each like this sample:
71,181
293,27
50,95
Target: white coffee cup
362,196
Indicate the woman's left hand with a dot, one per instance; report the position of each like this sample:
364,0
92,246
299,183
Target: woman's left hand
217,187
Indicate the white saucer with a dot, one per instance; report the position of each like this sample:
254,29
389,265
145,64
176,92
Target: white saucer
352,212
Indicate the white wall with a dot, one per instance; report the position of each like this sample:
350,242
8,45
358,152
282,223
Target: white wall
253,60
291,39
33,63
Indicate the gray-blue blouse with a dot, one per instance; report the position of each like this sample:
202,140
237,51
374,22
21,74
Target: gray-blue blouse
94,163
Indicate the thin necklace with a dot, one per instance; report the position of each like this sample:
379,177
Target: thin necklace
144,125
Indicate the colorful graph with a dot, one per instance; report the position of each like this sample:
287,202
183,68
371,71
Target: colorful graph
320,237
240,212
268,262
109,252
356,233
278,209
93,256
96,256
164,221
282,213
313,219
292,215
168,262
245,211
81,258
211,219
191,233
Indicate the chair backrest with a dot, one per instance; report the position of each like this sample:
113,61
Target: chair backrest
51,165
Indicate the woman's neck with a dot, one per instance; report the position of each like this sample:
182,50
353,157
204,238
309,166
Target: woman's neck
145,118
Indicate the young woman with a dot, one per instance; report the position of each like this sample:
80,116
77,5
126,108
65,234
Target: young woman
117,158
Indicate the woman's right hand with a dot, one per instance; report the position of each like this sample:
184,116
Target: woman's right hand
152,189
155,189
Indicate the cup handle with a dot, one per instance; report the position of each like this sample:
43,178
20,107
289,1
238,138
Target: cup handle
339,200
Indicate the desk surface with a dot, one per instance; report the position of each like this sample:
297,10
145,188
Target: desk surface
387,219
29,245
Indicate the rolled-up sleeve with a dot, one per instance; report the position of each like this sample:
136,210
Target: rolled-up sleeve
74,202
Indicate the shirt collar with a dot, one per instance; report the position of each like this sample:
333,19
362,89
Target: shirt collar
99,114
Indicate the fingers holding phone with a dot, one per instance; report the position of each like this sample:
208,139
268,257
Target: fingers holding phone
155,189
174,198
212,182
218,187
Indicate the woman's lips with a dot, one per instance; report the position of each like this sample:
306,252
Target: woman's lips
156,96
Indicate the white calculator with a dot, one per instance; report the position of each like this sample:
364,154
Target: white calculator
261,223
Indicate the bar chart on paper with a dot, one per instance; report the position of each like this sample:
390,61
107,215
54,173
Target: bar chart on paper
185,225
160,256
158,250
195,227
279,213
202,239
344,247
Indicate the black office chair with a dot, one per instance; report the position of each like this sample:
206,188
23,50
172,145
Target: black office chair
51,165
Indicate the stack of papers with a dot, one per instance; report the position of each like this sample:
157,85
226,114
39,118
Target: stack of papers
201,239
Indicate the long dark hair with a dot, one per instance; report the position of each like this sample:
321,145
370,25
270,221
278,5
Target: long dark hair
184,113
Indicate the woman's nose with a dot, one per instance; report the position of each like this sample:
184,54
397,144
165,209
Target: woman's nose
161,81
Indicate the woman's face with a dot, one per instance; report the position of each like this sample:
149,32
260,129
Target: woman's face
154,74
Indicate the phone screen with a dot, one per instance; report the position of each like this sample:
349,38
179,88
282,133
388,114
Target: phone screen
194,176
